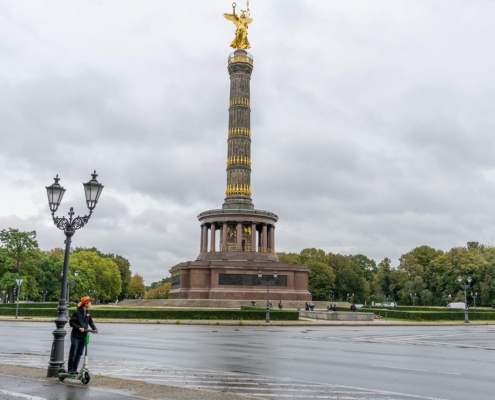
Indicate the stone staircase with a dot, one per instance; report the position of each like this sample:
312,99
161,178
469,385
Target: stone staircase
217,304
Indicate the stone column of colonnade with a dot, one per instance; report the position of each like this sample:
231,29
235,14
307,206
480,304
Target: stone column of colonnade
265,236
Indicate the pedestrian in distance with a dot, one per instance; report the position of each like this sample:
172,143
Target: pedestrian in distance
311,306
335,307
79,322
280,305
306,307
298,307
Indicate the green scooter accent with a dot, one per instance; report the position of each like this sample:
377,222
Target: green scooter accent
83,375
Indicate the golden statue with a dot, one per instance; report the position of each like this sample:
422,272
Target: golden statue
241,22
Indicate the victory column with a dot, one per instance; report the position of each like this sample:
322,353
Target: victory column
246,240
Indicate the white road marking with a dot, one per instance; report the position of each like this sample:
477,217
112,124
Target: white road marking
417,370
21,395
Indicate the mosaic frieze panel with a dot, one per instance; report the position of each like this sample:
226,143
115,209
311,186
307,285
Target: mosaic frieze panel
176,280
249,280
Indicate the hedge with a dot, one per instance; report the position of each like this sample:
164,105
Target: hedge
437,309
29,305
431,315
256,314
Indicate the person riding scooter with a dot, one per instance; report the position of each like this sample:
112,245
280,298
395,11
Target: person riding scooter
80,320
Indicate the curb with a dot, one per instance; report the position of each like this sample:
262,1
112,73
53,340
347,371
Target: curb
301,323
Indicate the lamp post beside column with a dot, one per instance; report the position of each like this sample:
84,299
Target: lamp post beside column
55,192
413,297
474,295
465,287
268,283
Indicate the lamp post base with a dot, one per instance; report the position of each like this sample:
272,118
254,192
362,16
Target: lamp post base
57,354
267,314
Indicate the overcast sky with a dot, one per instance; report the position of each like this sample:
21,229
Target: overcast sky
372,122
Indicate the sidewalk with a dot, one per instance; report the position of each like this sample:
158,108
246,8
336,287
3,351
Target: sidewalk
301,322
143,390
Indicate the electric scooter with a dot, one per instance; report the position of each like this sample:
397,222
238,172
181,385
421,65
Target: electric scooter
83,375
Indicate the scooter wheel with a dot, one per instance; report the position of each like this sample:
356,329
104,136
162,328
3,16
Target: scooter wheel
61,374
85,379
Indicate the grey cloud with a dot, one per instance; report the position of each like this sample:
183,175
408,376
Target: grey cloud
372,122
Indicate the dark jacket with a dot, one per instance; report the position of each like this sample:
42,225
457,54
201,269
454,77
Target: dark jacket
78,321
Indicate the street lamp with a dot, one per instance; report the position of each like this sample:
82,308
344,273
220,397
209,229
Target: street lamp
268,283
413,297
474,295
55,192
3,295
44,293
465,286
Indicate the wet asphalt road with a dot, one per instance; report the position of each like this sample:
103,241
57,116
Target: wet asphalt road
407,362
12,388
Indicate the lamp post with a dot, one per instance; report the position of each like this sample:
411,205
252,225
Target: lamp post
268,283
44,293
3,295
474,295
19,283
465,287
70,282
413,297
55,192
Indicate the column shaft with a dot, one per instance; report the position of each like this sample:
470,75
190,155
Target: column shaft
253,237
272,238
264,239
239,236
224,236
212,241
205,238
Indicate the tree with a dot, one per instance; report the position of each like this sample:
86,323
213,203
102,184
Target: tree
125,273
17,244
136,286
99,274
164,280
122,263
160,291
367,265
426,297
349,277
321,280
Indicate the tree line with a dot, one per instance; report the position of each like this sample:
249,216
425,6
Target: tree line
106,276
425,276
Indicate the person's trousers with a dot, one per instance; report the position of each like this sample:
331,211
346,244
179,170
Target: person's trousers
76,351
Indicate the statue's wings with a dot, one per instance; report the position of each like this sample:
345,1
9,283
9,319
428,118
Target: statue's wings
249,20
232,17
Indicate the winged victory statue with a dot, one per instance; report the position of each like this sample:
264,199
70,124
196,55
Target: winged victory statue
241,22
